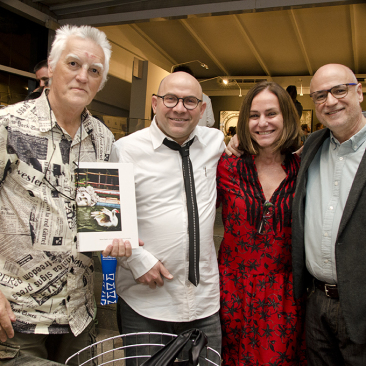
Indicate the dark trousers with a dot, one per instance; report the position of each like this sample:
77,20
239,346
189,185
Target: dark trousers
131,322
327,340
54,347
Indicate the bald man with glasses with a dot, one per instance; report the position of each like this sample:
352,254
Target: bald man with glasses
172,283
329,222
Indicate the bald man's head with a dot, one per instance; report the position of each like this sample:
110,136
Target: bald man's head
181,76
339,109
330,72
178,122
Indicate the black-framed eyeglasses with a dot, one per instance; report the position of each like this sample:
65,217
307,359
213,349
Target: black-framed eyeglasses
171,100
264,226
338,91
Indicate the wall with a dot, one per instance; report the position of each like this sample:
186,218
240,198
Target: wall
224,104
116,93
23,44
307,104
231,103
155,75
363,104
141,91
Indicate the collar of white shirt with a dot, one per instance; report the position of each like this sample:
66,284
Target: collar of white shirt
158,136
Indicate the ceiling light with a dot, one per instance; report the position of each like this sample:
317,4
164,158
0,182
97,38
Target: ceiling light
240,95
215,77
301,93
225,81
188,62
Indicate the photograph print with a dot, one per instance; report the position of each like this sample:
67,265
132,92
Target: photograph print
98,200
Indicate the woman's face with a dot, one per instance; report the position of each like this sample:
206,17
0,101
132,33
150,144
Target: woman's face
265,119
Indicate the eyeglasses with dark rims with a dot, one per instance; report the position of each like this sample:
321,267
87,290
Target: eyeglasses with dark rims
171,100
338,91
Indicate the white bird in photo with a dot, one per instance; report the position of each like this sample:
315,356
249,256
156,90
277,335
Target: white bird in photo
106,217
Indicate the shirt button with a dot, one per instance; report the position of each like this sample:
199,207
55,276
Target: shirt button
341,158
325,234
330,207
326,261
335,183
355,147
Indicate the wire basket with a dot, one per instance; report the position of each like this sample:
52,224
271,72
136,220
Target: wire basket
132,350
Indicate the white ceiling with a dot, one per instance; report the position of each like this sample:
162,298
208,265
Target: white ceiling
286,46
281,40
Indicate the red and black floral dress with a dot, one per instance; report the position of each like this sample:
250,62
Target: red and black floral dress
262,323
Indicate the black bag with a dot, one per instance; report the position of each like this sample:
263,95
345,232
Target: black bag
166,356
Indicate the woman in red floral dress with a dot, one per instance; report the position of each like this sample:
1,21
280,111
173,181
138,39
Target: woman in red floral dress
262,323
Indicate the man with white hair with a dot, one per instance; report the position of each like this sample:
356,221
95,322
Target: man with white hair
46,286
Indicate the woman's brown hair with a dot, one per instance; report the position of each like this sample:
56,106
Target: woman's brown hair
291,135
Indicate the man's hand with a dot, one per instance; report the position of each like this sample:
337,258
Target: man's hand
118,248
299,152
155,276
232,147
6,318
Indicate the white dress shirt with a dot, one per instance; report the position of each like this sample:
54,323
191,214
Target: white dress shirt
208,118
163,225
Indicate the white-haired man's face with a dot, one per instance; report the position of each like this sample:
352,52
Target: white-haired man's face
78,73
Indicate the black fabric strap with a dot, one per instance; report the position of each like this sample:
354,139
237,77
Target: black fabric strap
193,219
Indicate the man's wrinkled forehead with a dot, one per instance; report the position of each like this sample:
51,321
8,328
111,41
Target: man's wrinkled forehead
81,48
331,75
179,80
88,61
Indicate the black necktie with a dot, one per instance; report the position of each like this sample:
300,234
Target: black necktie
193,220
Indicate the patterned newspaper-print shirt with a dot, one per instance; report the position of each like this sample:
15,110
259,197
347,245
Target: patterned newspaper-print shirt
49,285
